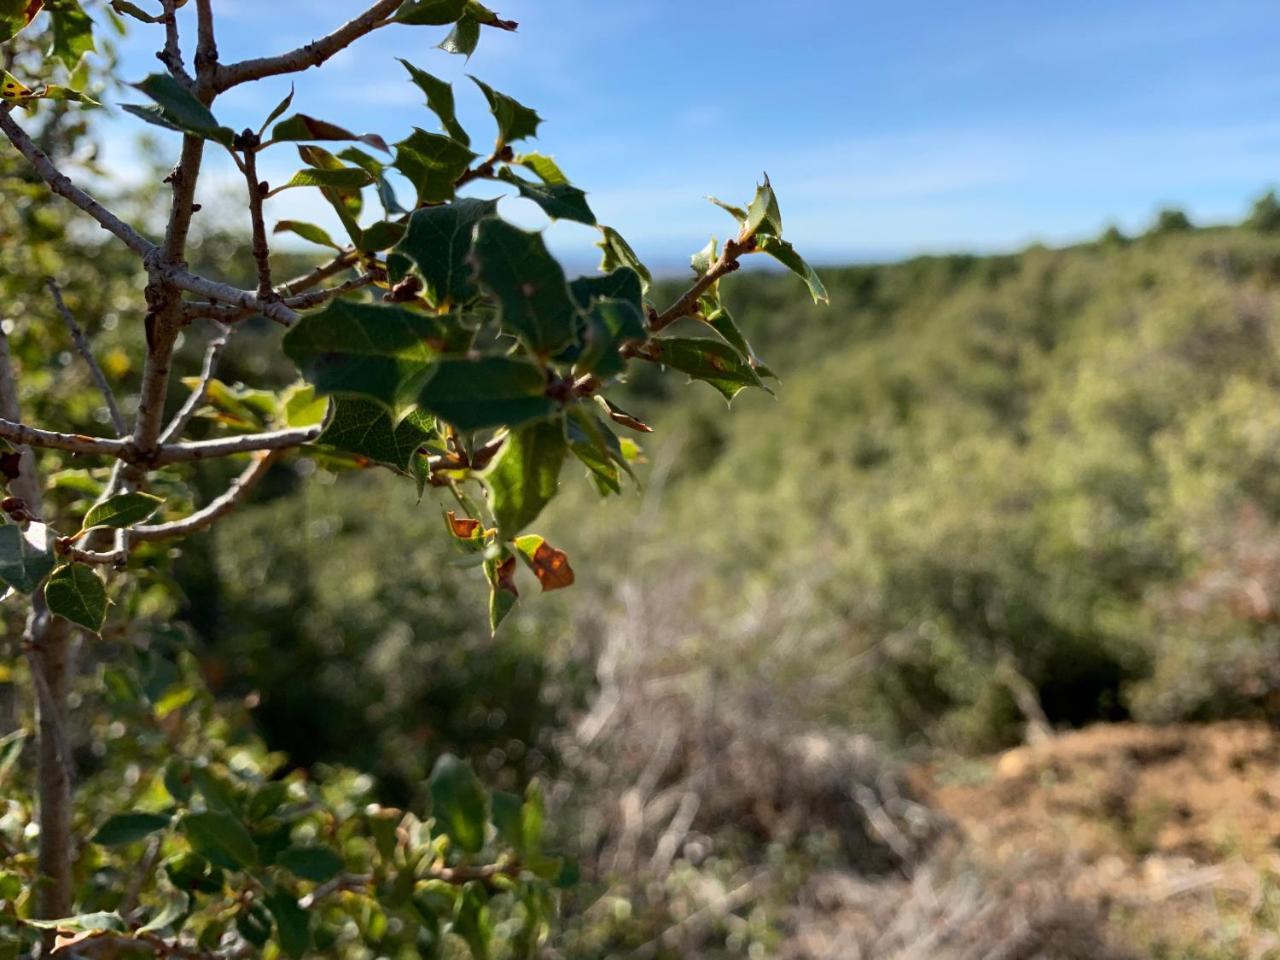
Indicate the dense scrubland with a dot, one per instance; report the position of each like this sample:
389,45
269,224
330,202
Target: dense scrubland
993,498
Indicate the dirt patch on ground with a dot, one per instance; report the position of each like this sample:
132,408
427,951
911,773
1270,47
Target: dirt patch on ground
1174,831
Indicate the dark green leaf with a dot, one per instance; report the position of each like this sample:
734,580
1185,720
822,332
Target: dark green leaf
253,922
194,874
317,864
507,818
618,253
366,429
593,443
471,921
526,475
610,325
763,216
431,13
459,803
364,350
439,99
515,120
433,164
222,838
560,201
622,284
25,557
180,110
786,254
74,592
528,283
302,128
711,361
438,243
122,511
380,236
486,392
128,827
293,924
279,110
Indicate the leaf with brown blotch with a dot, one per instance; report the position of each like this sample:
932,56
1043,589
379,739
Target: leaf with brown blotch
549,565
505,576
464,528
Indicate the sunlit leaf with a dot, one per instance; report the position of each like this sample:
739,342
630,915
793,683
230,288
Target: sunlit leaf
786,254
177,108
123,510
549,565
438,243
367,429
440,100
25,557
301,128
618,253
526,475
431,13
485,392
515,120
76,593
560,201
307,231
527,282
126,828
711,361
459,802
433,164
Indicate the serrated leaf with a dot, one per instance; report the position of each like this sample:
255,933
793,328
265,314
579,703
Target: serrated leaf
459,803
293,924
76,593
72,32
549,565
464,38
515,120
711,361
365,350
177,108
367,429
786,255
559,201
122,511
517,270
431,13
313,863
618,253
221,838
486,392
738,213
622,284
348,178
380,236
545,167
438,243
439,94
433,164
25,557
15,15
763,216
525,476
596,446
307,231
126,828
302,407
610,325
303,128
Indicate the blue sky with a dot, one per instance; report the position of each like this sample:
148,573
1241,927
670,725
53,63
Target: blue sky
887,128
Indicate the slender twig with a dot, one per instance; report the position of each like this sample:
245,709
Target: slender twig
60,184
171,55
129,452
687,304
23,435
343,261
233,296
193,403
225,314
311,55
82,347
216,508
258,223
196,450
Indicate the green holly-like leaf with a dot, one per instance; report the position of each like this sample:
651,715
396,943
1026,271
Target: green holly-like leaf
307,231
517,270
786,255
560,201
365,350
486,392
221,838
438,243
313,863
464,38
15,15
25,557
610,325
459,803
177,108
440,100
738,214
348,178
433,164
545,167
301,128
618,253
122,511
74,592
526,475
72,31
515,120
763,216
380,236
431,13
711,361
597,447
126,828
367,429
293,924
622,284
